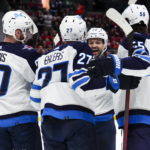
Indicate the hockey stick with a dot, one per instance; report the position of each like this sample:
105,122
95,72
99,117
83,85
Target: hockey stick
116,17
127,105
126,120
131,2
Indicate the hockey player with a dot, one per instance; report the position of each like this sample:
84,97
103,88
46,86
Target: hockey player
18,119
97,39
68,119
139,118
136,65
65,91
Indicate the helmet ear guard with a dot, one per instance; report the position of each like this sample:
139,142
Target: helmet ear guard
73,28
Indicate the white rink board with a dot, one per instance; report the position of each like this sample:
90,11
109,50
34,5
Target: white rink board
118,138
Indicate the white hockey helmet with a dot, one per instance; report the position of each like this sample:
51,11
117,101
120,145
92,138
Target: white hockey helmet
135,14
97,33
35,29
73,28
14,20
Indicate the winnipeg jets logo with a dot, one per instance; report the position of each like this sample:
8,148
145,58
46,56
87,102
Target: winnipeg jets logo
18,15
27,47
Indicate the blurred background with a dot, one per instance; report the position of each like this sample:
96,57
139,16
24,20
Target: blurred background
48,14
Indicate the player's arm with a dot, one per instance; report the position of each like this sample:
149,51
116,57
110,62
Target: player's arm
79,79
86,86
35,93
27,67
135,65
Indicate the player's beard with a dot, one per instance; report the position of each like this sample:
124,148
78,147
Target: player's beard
21,37
97,52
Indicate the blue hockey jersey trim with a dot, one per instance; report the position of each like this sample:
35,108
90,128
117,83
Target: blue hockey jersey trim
135,119
37,100
36,87
140,51
76,73
68,114
143,57
102,118
18,120
80,82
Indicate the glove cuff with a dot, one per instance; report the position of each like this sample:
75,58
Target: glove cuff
117,65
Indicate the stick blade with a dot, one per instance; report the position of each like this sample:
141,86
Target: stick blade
116,17
56,39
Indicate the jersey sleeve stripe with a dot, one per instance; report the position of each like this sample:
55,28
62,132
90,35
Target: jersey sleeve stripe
75,78
80,82
140,51
36,87
76,73
37,100
143,57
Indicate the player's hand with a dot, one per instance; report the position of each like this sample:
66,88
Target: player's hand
93,68
140,36
104,65
112,83
129,82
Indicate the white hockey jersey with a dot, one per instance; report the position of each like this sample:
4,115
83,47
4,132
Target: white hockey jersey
139,97
104,109
62,84
16,74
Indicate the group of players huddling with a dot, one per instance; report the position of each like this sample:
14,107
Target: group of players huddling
77,86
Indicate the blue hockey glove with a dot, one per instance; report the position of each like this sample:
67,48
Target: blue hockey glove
104,65
112,83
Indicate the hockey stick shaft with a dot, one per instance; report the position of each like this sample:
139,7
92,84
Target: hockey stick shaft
126,120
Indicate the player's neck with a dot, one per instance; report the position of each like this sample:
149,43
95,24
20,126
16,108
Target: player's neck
9,39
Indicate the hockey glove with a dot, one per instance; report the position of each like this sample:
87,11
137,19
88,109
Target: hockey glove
128,82
112,83
104,65
140,36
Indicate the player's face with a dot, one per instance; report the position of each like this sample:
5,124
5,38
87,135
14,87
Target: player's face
97,45
19,35
23,35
